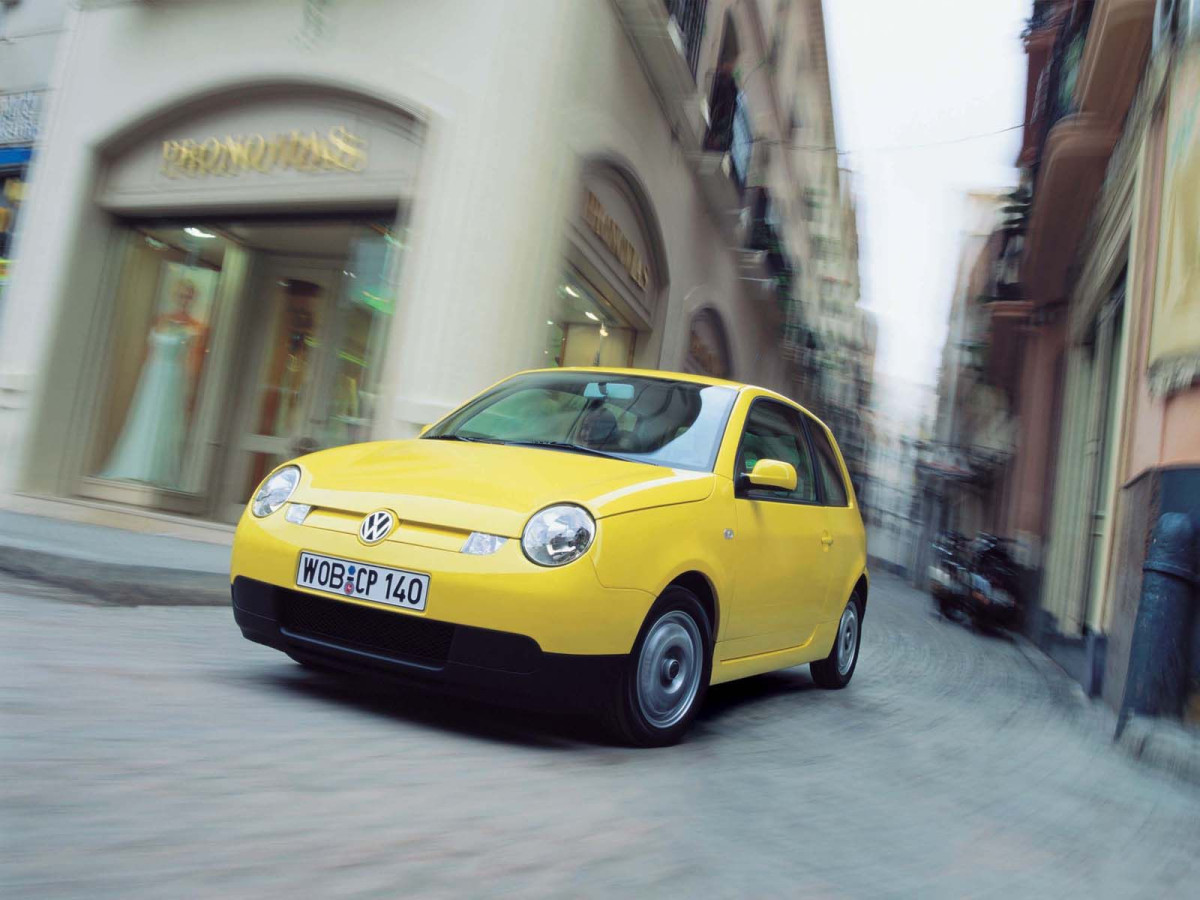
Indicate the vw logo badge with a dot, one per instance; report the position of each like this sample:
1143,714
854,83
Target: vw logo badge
376,526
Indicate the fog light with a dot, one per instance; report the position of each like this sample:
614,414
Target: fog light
297,513
479,544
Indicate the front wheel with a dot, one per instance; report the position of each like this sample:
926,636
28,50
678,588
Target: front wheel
665,677
836,670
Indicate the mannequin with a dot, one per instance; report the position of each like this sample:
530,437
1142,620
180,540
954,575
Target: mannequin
151,444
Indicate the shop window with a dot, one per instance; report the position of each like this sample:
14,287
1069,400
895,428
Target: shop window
167,306
236,346
12,192
585,330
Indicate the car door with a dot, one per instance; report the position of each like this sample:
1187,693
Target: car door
843,541
780,581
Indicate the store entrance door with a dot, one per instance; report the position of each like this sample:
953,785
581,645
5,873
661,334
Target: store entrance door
285,413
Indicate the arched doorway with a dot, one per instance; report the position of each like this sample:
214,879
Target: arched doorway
614,274
708,346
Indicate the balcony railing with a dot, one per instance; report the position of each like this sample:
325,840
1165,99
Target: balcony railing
688,16
1004,281
1056,95
763,231
1043,12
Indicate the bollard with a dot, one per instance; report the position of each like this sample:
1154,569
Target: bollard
1158,655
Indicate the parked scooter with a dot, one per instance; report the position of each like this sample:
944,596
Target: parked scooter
994,596
949,572
976,578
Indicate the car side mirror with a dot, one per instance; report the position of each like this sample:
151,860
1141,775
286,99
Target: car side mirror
772,475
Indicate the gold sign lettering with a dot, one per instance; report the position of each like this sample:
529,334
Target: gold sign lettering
605,228
338,150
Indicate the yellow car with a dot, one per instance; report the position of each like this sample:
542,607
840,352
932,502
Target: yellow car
615,538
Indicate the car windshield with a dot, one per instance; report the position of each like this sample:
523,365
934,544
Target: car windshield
677,424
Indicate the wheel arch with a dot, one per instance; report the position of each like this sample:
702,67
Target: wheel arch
700,585
861,588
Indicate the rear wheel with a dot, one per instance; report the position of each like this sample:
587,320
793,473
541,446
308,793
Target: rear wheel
836,670
666,676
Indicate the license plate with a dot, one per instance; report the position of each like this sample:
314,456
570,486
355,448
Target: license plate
363,581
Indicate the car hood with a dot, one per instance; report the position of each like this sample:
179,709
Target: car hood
491,488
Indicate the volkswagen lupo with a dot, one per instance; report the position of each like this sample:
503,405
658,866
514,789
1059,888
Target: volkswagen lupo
617,538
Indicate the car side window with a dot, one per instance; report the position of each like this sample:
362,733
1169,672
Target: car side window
831,473
773,431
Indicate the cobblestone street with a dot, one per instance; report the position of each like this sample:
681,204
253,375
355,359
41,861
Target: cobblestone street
152,752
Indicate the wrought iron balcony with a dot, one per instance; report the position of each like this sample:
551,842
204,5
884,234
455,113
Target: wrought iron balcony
1004,278
1043,12
688,16
1056,94
667,36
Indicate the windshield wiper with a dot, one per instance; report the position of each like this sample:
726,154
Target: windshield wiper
460,437
565,445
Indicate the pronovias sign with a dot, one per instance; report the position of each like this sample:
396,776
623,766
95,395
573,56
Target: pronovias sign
336,150
270,150
606,228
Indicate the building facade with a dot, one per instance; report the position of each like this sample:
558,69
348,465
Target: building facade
1130,445
29,37
901,426
1093,333
355,215
963,469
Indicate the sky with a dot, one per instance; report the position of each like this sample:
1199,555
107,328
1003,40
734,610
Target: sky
917,73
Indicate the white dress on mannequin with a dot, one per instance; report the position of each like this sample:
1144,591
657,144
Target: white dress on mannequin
150,448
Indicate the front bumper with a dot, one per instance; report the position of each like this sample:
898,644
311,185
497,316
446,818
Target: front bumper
461,658
565,610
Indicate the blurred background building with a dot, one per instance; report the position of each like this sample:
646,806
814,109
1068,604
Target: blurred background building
962,469
900,421
259,229
1081,321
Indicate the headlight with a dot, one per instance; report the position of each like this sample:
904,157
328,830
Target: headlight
275,491
558,534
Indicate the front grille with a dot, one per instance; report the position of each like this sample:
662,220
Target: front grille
391,634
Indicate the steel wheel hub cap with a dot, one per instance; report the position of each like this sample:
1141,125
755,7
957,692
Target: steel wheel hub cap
847,639
668,672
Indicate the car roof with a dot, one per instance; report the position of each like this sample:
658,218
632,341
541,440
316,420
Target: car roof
642,373
667,375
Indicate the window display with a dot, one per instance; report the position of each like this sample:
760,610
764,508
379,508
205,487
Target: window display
235,345
168,293
151,446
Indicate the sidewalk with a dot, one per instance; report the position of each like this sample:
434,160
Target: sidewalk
116,566
1164,744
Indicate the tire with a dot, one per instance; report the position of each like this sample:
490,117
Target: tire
835,671
665,677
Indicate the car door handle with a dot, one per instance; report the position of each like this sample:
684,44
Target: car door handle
827,539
